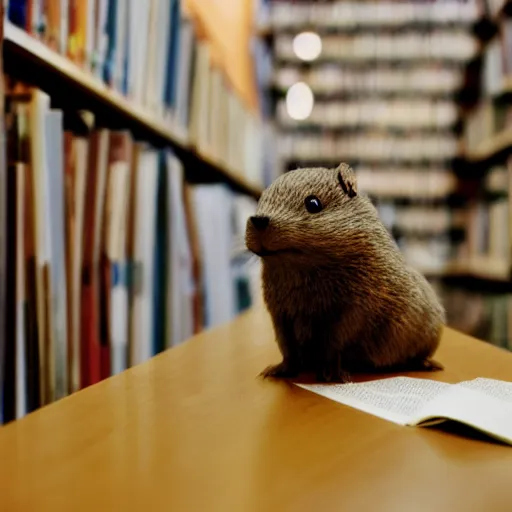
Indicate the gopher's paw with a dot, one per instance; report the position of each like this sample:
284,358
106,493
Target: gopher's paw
330,369
329,374
281,370
429,365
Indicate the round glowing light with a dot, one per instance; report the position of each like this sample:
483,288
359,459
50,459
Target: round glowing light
307,45
299,101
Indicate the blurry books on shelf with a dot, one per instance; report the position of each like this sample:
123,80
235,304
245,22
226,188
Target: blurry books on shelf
377,113
221,126
488,125
113,258
381,182
486,249
422,232
338,79
486,316
146,60
487,129
450,45
368,147
352,15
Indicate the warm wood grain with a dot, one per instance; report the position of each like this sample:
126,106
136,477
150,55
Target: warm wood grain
195,430
28,48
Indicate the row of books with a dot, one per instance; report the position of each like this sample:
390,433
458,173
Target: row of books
430,255
423,233
246,140
361,113
428,184
142,49
487,235
438,44
151,53
337,79
371,146
111,257
341,14
486,248
418,219
485,120
485,316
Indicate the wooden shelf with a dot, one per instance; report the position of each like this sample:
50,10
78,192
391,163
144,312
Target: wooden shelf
482,268
31,60
491,147
478,273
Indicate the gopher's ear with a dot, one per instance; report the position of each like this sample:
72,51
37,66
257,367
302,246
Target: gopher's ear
347,180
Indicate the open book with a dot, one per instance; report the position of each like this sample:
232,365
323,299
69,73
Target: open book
483,404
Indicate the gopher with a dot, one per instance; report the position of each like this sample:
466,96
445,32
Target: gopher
341,296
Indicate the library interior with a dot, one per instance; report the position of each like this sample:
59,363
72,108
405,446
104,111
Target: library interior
136,317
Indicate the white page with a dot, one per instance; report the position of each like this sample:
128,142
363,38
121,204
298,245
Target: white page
397,399
475,404
497,388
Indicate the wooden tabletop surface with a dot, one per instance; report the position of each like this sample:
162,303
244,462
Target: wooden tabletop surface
194,429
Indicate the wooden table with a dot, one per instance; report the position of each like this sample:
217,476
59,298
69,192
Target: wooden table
195,430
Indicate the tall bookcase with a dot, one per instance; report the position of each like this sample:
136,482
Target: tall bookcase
392,86
375,77
132,153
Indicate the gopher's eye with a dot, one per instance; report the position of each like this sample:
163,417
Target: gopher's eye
313,204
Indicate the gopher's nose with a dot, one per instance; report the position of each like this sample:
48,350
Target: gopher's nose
260,222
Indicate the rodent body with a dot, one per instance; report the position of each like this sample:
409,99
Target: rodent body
340,294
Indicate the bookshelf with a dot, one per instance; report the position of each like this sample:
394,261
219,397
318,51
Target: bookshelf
21,50
489,148
386,85
133,160
374,68
486,142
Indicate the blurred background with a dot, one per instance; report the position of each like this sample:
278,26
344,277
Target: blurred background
415,96
138,137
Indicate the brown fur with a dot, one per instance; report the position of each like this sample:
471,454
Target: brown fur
340,294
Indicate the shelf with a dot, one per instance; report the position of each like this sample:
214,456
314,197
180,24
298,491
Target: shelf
481,267
369,62
480,274
271,30
491,147
348,18
326,95
30,60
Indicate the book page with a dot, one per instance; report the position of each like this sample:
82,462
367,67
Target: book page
485,405
497,388
396,399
